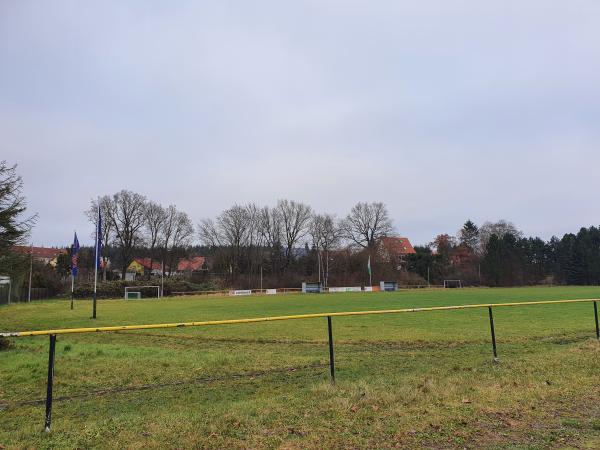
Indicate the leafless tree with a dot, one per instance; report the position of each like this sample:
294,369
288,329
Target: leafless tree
295,220
176,235
154,221
325,234
126,213
271,230
500,228
367,223
107,228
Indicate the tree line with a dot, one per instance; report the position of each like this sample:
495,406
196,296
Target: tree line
290,242
498,254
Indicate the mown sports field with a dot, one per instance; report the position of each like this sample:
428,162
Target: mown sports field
409,380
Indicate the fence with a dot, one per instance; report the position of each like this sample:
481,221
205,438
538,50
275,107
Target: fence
22,295
53,333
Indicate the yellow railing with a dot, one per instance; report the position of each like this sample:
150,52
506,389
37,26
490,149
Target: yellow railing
276,318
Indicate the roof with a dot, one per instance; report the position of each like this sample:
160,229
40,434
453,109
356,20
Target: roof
191,264
39,252
398,245
145,263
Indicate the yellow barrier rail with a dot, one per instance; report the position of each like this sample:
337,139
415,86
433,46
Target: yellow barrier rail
278,318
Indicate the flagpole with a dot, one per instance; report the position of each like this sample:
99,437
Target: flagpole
72,276
96,264
72,288
30,272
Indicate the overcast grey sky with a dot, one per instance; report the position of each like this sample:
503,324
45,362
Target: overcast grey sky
444,110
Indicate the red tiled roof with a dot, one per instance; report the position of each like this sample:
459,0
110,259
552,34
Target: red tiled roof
191,264
398,245
39,252
145,263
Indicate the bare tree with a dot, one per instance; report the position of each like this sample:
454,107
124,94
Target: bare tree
500,228
271,230
324,231
325,234
126,212
295,220
176,235
154,220
367,223
107,228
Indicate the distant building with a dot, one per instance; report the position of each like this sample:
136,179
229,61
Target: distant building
192,265
142,266
42,254
395,250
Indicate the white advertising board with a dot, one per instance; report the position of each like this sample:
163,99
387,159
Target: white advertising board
241,292
271,291
345,289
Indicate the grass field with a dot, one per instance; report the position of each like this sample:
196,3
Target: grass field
408,381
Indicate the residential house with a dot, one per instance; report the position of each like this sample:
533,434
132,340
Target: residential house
395,250
43,254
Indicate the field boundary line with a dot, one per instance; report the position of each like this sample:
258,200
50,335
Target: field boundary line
281,318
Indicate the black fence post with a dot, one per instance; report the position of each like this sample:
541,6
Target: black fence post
331,359
50,382
596,317
493,334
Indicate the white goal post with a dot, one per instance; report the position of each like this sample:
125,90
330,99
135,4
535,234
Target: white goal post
453,283
137,291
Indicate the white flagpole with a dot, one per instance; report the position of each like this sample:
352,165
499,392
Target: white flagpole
96,262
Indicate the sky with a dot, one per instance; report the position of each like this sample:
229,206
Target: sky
444,110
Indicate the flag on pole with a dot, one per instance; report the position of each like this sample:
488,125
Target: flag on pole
74,253
369,265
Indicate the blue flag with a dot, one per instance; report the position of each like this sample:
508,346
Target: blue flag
74,253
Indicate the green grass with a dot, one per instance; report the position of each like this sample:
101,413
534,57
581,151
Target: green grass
409,380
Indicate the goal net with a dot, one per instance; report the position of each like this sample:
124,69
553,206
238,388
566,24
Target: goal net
453,283
137,292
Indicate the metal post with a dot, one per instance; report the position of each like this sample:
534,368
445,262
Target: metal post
493,333
596,317
50,382
30,273
331,359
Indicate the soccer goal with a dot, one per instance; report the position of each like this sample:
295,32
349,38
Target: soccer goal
135,292
453,284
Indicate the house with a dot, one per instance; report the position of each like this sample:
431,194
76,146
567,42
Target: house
43,254
191,265
395,250
144,266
